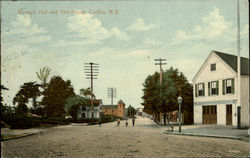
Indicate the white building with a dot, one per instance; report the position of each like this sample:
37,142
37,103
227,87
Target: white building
215,91
85,111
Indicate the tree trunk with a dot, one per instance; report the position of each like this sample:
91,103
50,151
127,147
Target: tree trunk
164,117
34,102
168,117
159,117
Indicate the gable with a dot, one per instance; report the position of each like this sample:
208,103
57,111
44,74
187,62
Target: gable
223,70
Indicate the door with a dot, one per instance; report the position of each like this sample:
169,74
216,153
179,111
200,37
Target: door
228,115
209,114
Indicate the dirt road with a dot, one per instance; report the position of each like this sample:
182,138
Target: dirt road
143,140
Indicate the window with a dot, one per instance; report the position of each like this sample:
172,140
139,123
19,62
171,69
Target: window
229,86
83,115
83,108
200,89
213,67
214,88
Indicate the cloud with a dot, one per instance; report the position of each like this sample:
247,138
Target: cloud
24,30
15,51
213,27
90,30
150,43
119,34
139,25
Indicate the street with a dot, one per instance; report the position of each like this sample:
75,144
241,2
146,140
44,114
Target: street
143,140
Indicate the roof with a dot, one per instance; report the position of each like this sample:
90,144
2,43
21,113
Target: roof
109,106
121,102
232,61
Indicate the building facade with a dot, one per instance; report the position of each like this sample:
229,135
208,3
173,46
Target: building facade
139,111
86,111
216,91
114,110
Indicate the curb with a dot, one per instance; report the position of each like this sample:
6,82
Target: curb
78,124
156,125
21,136
202,135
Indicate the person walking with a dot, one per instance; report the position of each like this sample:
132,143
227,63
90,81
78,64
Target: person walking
118,122
126,123
133,121
100,122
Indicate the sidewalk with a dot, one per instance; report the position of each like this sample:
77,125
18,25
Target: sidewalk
7,134
211,131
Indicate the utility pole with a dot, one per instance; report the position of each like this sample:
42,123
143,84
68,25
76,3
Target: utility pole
91,70
111,94
160,62
238,67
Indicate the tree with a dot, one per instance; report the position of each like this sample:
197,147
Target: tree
21,108
131,111
27,90
174,84
151,95
43,75
72,105
55,95
86,92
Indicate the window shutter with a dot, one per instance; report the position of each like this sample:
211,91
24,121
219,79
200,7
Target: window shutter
232,83
195,90
209,89
217,86
203,84
223,86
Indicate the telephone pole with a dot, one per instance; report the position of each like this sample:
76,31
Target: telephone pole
238,67
111,94
160,62
91,70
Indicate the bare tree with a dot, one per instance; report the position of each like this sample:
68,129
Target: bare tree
43,74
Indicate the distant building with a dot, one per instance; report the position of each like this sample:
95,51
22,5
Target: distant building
114,110
86,111
139,111
216,91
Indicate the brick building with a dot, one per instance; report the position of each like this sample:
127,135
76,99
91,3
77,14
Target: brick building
114,110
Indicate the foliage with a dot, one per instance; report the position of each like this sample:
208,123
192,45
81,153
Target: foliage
75,100
38,111
6,112
21,108
162,98
86,92
131,111
55,95
43,74
21,121
27,90
72,105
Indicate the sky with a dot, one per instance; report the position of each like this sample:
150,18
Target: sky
123,37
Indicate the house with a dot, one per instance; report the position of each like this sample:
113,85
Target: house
139,111
215,91
114,110
86,111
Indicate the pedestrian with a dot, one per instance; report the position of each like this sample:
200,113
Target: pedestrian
100,122
118,122
126,123
133,121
